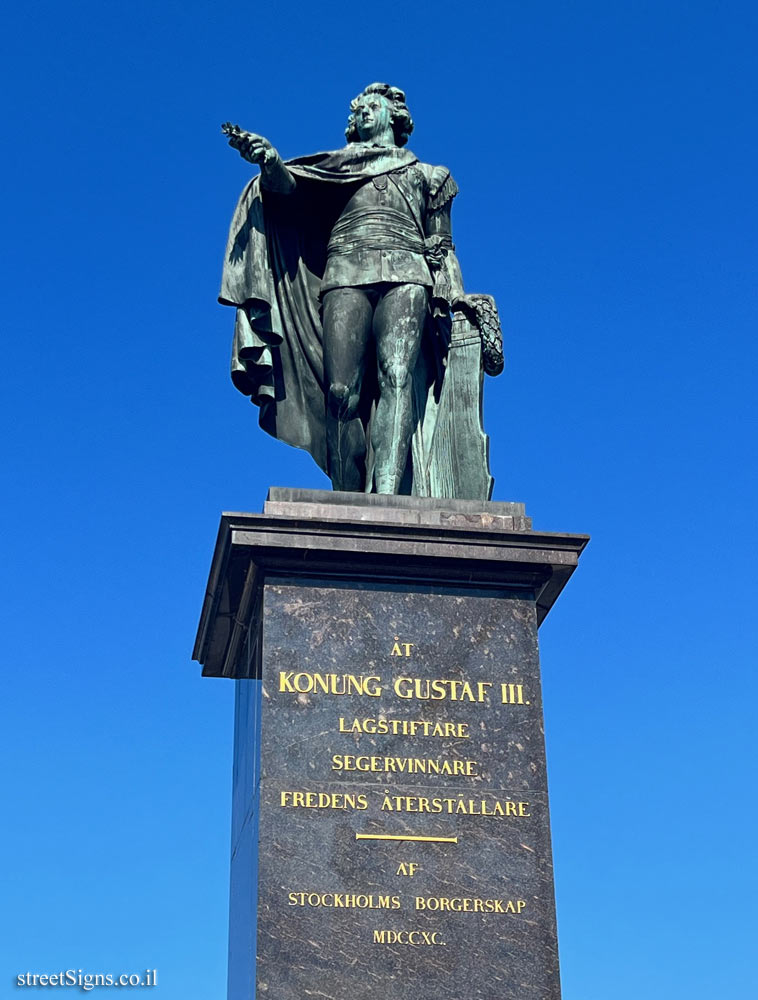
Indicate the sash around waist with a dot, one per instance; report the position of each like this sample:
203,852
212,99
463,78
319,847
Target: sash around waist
374,229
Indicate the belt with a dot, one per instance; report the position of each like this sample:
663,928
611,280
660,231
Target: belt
375,229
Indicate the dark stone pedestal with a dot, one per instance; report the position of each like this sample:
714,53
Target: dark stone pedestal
390,830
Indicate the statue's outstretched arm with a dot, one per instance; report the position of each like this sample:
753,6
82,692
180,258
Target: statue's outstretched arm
256,149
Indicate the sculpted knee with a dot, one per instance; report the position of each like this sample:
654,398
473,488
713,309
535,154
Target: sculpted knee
343,402
395,374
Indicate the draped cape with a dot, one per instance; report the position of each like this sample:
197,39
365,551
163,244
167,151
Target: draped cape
274,262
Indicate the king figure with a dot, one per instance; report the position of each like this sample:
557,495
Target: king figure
350,305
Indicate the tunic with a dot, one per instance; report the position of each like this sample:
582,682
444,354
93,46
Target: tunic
358,216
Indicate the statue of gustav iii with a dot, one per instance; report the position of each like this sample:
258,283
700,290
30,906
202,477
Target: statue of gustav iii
353,333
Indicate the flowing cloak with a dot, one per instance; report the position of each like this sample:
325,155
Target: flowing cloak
275,258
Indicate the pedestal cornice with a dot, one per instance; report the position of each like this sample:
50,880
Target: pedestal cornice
466,544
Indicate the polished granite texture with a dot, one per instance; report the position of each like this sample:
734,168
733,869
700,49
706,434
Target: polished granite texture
483,638
310,607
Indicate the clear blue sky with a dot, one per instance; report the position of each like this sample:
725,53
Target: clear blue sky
606,155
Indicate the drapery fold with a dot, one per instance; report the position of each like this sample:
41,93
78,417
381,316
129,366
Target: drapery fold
274,262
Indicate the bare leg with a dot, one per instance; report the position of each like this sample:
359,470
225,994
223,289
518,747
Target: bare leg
347,331
398,325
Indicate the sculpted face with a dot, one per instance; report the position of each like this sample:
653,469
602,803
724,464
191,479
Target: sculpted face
373,116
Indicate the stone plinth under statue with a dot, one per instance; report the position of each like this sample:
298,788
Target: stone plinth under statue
390,820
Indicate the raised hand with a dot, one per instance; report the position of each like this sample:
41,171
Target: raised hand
255,149
251,147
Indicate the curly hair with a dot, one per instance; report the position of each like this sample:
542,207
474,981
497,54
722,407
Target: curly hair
402,123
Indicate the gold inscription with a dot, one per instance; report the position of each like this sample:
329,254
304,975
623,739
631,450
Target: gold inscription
415,939
405,765
407,688
454,805
322,800
422,689
512,694
344,900
407,868
401,648
469,904
405,727
302,682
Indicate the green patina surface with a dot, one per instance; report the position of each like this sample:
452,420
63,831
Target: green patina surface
353,333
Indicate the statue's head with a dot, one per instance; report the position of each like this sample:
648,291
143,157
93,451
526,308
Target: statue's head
378,106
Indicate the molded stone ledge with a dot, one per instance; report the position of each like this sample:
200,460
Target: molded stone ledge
352,536
329,504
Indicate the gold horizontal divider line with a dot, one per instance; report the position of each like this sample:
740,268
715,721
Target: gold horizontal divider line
406,836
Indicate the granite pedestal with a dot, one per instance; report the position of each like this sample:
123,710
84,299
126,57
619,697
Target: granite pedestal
390,829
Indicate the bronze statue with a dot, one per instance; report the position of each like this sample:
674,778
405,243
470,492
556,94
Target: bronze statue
343,272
